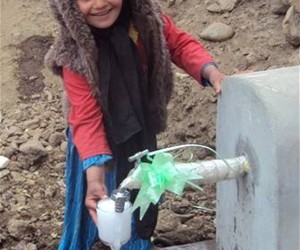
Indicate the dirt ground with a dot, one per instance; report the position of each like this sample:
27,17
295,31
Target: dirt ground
32,126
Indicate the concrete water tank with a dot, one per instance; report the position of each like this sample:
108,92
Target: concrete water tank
258,115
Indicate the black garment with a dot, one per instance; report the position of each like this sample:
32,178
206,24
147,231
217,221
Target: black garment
124,101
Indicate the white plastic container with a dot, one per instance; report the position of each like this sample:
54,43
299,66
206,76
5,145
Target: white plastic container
114,222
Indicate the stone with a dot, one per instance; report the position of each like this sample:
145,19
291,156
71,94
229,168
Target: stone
56,138
10,150
279,7
23,245
167,221
17,177
32,124
17,228
291,27
3,162
217,32
295,58
63,146
295,4
4,173
33,147
222,6
13,130
181,207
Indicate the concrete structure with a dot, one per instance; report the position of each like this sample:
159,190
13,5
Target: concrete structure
203,245
258,115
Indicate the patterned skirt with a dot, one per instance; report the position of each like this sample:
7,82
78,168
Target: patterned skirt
79,230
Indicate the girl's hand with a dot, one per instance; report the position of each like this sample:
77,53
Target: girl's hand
215,77
96,189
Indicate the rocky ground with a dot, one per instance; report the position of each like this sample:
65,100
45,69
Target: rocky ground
241,35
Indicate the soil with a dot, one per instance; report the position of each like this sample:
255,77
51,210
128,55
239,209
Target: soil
32,125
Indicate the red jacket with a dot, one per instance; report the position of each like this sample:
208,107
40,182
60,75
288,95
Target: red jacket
85,115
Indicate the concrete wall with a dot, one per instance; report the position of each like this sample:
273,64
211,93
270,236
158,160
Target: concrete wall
258,115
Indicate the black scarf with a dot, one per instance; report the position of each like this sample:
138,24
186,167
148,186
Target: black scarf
121,81
124,100
123,87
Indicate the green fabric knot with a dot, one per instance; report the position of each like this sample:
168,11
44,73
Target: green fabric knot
156,177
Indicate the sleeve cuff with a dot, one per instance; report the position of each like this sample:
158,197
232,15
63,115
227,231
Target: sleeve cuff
204,81
97,160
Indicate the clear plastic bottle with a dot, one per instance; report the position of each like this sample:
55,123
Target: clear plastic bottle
114,219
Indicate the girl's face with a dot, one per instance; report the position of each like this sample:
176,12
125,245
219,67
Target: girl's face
100,13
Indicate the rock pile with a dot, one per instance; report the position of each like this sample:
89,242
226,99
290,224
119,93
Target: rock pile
220,32
32,187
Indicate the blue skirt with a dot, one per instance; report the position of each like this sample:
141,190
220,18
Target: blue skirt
79,230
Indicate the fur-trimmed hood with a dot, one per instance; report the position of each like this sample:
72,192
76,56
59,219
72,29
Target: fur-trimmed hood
75,48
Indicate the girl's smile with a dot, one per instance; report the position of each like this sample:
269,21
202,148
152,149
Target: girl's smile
100,13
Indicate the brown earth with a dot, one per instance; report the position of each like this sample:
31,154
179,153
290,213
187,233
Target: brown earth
32,127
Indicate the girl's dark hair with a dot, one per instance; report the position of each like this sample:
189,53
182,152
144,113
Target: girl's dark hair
125,14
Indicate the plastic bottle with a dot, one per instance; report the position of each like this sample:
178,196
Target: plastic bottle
114,219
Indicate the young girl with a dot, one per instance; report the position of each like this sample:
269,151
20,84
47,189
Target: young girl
115,60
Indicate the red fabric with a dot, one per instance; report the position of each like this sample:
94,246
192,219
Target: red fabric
185,51
85,115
